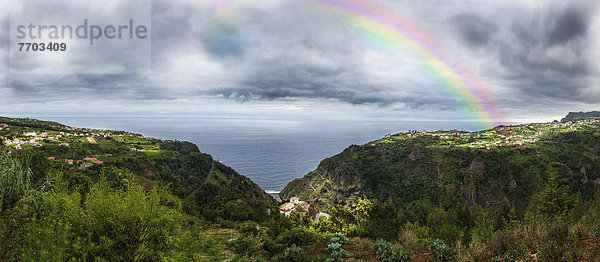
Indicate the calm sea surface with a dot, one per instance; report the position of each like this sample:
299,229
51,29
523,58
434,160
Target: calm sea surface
271,153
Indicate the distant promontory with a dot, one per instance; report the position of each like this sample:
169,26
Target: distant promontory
580,115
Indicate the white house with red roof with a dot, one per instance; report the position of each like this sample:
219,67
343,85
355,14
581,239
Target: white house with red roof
294,200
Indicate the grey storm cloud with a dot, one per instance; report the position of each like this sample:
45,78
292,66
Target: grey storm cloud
309,56
568,25
538,53
475,31
83,86
284,50
550,53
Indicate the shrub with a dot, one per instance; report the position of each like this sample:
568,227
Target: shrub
334,249
387,252
15,181
108,224
557,246
335,252
421,232
248,246
250,228
131,224
484,228
514,255
292,253
382,221
441,251
338,238
299,236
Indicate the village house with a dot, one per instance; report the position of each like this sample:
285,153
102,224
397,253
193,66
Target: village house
303,204
294,200
286,208
85,166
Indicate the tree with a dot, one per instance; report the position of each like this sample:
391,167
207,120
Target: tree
383,222
555,199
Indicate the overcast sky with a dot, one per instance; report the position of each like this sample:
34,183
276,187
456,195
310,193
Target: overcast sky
285,59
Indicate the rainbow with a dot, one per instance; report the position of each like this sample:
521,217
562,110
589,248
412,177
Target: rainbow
220,8
221,28
397,32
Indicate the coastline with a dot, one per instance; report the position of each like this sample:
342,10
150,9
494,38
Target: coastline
274,194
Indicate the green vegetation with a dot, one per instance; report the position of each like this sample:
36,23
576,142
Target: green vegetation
503,194
387,252
441,251
15,181
107,224
518,193
83,154
334,249
85,194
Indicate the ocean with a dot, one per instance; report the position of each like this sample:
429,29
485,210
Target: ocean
270,153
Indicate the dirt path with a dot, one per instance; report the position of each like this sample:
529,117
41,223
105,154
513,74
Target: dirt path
319,215
92,140
204,183
311,186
